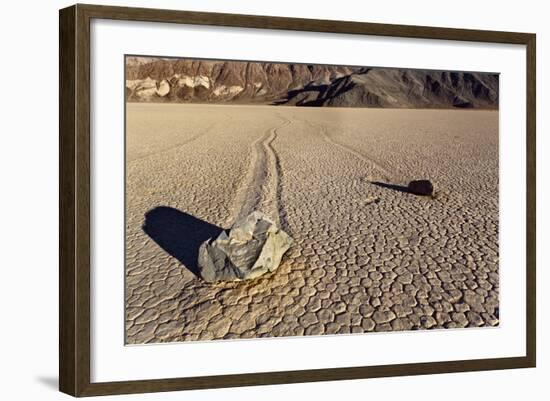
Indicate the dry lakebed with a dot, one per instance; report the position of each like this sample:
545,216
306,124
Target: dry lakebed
367,254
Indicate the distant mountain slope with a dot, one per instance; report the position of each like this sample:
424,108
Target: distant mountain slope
185,80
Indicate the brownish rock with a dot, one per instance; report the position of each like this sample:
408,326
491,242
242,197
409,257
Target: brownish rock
421,187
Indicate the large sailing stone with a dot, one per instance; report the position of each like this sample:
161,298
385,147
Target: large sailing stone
253,247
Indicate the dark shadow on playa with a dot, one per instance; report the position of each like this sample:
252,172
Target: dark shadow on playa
179,233
395,187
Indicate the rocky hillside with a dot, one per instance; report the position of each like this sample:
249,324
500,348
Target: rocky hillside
186,80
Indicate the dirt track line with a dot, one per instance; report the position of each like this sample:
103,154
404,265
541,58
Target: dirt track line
259,188
178,145
386,173
276,162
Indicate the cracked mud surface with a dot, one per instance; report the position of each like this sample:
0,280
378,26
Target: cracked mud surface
368,256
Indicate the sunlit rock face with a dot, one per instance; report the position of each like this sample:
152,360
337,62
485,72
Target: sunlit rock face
251,248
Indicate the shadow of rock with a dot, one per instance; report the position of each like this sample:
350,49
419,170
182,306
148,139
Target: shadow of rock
395,187
179,233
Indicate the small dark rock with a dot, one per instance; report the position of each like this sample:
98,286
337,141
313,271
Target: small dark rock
421,187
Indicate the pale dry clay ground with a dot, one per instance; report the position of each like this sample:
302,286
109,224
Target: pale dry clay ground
366,257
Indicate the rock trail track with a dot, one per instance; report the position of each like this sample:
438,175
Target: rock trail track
172,147
402,263
385,173
260,187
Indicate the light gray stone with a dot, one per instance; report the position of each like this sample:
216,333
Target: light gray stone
253,247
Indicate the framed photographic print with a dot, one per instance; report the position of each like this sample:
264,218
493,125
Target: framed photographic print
250,200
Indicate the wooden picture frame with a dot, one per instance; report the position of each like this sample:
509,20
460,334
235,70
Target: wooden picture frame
74,204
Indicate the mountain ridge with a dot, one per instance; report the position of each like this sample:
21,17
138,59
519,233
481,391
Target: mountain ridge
212,81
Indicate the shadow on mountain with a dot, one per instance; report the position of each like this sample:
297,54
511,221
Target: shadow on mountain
317,94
